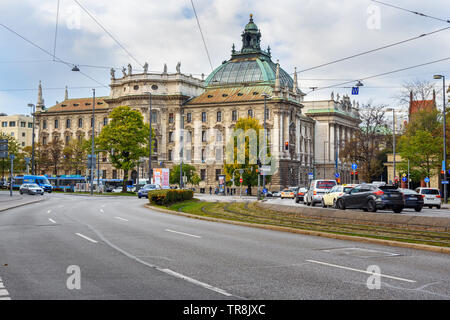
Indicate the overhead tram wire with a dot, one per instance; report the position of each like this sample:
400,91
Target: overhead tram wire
201,33
381,74
50,54
374,50
107,32
411,11
56,30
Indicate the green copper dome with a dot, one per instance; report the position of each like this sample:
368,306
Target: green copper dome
250,65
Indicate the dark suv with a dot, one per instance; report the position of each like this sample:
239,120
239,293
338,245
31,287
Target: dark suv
371,198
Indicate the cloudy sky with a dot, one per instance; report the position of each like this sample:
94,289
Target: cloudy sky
301,33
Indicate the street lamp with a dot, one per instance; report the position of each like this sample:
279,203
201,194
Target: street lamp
266,96
150,135
93,139
393,136
444,164
32,141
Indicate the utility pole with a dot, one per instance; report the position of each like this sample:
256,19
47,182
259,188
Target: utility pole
93,138
444,111
32,139
150,175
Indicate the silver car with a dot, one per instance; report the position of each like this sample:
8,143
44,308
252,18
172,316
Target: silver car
31,188
317,190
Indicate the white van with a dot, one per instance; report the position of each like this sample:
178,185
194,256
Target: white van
317,190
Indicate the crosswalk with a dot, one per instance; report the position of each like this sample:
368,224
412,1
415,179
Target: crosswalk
4,294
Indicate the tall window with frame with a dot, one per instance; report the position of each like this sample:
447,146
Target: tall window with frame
171,119
80,123
219,116
56,123
189,117
234,115
203,116
67,123
250,113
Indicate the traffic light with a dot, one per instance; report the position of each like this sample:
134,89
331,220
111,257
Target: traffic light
286,146
338,180
356,175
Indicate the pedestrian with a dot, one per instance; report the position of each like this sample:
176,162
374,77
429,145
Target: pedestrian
228,191
210,190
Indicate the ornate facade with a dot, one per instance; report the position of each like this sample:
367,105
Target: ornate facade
193,118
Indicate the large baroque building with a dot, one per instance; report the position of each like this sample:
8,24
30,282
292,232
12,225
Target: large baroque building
193,118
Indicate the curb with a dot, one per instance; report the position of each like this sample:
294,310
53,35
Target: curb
22,204
389,243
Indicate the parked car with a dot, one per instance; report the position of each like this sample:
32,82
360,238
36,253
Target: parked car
143,192
412,199
31,188
431,197
317,189
287,193
269,194
276,194
371,198
300,195
329,199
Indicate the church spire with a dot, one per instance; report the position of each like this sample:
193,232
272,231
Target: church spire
277,79
40,101
295,89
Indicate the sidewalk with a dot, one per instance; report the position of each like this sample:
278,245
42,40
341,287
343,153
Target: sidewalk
17,200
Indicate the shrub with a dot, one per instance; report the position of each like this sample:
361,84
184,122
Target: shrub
169,196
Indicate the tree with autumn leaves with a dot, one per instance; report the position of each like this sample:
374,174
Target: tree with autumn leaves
243,150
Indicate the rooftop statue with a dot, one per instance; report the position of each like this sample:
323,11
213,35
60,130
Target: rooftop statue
113,73
165,68
124,72
146,68
178,67
129,69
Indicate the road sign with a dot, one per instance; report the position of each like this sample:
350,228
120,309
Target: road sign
264,191
337,175
404,179
426,179
3,154
241,180
11,156
355,91
444,181
354,166
404,175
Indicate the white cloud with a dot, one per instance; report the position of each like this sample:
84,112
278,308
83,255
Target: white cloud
301,33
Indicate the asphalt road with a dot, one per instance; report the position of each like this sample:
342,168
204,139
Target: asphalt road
125,251
426,212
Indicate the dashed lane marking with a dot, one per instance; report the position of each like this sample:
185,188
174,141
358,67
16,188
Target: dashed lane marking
362,271
186,234
51,220
87,238
121,218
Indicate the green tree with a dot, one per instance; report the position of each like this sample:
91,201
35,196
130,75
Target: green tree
423,150
250,148
126,136
74,156
188,171
13,149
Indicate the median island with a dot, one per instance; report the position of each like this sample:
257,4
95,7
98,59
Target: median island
256,214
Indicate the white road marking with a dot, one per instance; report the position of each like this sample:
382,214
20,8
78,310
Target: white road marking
2,286
103,205
49,211
186,234
362,271
101,210
87,238
51,220
121,218
199,283
4,292
5,298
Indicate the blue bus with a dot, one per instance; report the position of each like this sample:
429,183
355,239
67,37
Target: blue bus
41,181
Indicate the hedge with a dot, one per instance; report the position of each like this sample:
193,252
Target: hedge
169,196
